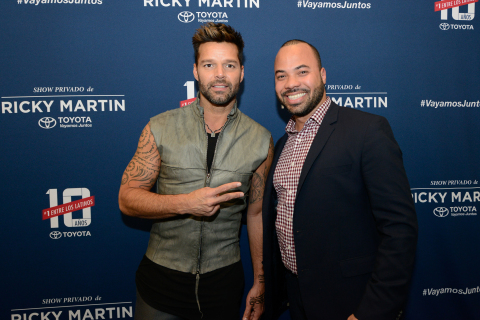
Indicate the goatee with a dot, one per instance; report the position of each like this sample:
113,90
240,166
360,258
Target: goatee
218,99
309,105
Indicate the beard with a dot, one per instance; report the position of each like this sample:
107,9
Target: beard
220,99
304,108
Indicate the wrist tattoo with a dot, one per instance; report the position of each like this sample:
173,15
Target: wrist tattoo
257,300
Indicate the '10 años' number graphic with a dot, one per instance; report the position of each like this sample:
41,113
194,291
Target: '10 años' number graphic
67,197
190,89
456,15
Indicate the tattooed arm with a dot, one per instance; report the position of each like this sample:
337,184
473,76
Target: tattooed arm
255,298
135,198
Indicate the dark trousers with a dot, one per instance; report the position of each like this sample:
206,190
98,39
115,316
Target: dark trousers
297,312
144,312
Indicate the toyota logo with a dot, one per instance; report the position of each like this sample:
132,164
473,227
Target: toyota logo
444,26
55,235
47,123
441,212
186,17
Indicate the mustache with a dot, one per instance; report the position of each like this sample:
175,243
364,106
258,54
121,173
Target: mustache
284,94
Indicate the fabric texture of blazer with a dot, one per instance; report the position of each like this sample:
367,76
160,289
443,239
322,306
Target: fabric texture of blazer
354,223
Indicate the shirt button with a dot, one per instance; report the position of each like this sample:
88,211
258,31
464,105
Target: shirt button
290,192
293,164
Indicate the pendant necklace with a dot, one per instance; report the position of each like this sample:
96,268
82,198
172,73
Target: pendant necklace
212,132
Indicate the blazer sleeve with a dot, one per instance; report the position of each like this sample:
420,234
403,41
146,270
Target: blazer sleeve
394,212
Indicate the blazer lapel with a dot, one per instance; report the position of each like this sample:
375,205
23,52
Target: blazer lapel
278,151
270,192
323,133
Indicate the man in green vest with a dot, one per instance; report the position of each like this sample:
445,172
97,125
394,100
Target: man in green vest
205,158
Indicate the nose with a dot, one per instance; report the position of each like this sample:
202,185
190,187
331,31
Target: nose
292,82
219,73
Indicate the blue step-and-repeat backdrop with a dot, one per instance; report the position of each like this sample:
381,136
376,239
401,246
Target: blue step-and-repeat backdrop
79,79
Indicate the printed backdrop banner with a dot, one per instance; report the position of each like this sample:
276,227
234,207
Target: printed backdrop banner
81,78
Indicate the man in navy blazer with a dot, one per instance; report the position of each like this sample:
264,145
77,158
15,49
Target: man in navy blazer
340,226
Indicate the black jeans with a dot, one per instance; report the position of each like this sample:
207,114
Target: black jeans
144,312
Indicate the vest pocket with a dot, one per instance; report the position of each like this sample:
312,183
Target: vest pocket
220,177
175,180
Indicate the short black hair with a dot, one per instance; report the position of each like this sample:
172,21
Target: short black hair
217,32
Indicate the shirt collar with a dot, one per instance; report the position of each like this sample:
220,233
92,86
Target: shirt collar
316,117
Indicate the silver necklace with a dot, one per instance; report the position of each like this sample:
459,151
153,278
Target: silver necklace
212,132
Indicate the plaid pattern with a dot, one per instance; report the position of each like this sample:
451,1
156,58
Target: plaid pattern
286,176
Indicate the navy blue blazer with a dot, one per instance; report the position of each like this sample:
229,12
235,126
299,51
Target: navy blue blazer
354,224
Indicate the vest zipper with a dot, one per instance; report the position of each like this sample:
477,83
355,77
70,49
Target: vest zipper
197,278
207,183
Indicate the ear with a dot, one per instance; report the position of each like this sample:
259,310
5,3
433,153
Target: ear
241,76
195,71
323,74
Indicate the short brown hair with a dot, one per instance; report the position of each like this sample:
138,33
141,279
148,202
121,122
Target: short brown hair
217,32
315,51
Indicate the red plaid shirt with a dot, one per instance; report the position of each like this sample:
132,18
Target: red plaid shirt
286,176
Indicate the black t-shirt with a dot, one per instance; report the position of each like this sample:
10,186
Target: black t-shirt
212,143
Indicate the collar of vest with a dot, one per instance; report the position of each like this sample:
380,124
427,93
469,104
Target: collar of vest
199,110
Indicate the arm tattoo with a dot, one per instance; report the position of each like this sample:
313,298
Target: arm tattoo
261,278
145,164
256,191
258,180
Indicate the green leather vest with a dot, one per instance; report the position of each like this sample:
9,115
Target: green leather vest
187,243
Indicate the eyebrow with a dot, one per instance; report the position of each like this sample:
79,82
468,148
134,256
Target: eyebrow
213,60
302,66
296,68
